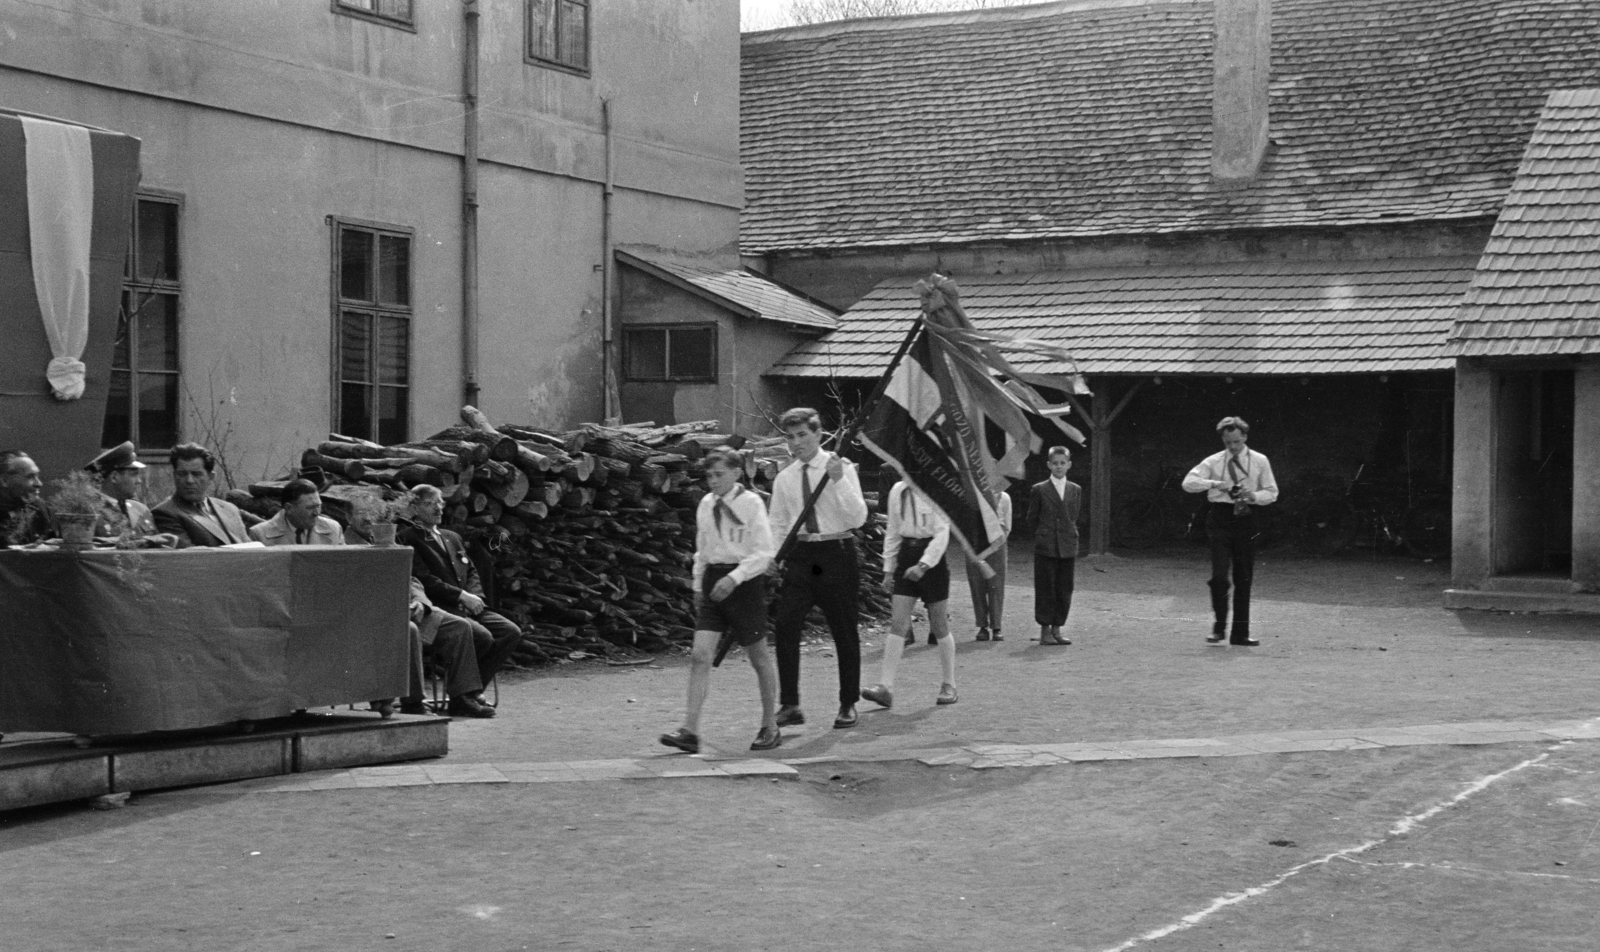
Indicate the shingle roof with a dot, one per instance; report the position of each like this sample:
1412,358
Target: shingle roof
1238,318
738,290
1537,287
1059,121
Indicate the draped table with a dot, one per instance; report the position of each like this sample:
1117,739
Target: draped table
116,642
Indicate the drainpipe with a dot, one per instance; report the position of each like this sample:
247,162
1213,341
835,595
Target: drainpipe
469,206
608,357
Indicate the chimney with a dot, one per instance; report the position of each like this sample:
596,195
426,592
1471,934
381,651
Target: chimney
1241,68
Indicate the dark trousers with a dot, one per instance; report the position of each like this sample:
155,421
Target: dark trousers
1052,589
494,638
452,649
1233,547
827,575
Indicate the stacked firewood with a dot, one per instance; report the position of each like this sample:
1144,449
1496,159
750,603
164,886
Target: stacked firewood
588,533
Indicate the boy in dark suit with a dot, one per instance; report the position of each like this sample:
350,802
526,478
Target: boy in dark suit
1053,512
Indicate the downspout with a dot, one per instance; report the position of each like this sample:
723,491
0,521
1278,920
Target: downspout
469,205
608,357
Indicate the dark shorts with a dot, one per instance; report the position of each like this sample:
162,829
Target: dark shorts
744,612
933,587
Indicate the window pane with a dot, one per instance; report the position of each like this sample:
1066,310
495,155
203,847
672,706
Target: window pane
394,365
355,346
396,9
693,353
542,28
647,354
392,415
394,269
158,409
158,332
119,355
119,411
369,6
355,264
574,35
354,417
158,240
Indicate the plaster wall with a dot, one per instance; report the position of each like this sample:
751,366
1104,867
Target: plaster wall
1472,497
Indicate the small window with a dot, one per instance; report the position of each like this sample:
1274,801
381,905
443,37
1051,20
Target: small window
372,332
678,352
558,34
390,12
143,404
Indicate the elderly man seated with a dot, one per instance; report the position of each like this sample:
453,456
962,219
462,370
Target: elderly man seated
449,637
300,521
451,582
191,513
23,517
122,515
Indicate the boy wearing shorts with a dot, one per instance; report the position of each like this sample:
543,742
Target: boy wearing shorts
914,568
733,549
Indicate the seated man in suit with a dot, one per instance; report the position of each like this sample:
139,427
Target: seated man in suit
24,519
300,521
122,515
451,582
450,637
190,512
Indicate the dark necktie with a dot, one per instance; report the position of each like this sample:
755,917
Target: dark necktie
1237,473
721,506
805,493
299,537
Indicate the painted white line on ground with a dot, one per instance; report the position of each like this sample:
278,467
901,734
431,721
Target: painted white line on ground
1403,826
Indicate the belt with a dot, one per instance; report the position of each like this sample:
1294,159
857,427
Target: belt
826,536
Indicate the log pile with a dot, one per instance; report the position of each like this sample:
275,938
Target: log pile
589,532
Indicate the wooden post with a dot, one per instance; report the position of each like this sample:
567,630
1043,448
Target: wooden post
1098,419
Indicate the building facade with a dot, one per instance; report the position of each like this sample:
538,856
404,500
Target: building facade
356,215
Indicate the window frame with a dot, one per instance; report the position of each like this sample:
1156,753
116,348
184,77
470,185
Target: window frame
410,25
133,286
339,305
533,59
627,351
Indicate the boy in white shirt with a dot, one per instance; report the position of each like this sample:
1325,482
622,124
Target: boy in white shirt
914,567
989,594
733,548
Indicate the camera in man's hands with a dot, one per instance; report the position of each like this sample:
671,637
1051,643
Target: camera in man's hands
1235,491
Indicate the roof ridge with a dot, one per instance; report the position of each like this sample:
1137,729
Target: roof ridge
951,18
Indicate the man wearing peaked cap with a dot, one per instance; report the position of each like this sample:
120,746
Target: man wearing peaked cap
121,512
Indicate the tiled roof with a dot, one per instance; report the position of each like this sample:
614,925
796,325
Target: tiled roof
738,290
1537,287
1238,318
1079,120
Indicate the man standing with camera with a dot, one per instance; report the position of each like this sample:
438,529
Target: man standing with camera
1234,481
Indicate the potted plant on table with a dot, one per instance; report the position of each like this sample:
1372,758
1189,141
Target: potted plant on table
75,502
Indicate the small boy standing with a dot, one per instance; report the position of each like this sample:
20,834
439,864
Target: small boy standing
1053,512
733,549
914,568
989,594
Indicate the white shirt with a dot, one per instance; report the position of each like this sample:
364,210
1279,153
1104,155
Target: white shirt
1002,508
747,542
840,508
1213,477
913,516
1060,485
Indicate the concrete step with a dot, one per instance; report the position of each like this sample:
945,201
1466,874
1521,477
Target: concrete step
1504,601
1532,584
56,769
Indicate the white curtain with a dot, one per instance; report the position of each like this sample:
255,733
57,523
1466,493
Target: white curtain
60,218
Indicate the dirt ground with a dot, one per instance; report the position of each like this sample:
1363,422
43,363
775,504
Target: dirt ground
1437,847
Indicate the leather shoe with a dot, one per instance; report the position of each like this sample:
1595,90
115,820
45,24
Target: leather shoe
767,738
947,694
384,707
995,635
408,706
846,718
983,634
790,715
1215,639
879,695
1053,637
684,739
469,707
1246,643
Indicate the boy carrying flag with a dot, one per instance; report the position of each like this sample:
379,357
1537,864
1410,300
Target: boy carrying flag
914,568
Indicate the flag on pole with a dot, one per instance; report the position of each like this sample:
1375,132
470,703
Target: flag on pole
949,383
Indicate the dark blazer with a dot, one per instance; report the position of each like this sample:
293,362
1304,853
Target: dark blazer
1055,519
444,572
193,530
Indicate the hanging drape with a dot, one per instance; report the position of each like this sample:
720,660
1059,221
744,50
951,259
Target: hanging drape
60,169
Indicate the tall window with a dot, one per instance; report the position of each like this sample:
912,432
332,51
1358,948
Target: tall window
143,402
558,34
372,331
678,352
390,12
